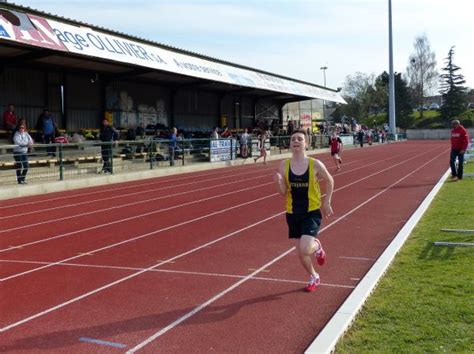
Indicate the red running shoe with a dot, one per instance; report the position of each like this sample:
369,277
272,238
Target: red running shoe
320,256
314,281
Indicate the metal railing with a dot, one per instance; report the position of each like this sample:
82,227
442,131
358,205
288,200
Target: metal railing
55,162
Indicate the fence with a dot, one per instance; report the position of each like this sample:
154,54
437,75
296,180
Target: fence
54,162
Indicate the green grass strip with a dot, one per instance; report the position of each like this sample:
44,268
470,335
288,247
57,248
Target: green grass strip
425,302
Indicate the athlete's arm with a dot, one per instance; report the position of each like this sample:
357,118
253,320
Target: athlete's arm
280,179
321,171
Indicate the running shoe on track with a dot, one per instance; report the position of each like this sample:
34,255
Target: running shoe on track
320,256
314,281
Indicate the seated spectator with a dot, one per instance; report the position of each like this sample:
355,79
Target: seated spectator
9,118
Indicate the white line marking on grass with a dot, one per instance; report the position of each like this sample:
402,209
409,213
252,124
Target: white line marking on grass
78,298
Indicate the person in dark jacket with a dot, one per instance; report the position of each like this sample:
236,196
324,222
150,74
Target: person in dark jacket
46,129
107,135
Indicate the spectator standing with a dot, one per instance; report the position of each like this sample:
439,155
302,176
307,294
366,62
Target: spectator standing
459,144
360,137
244,144
23,142
290,128
107,135
9,118
215,133
173,144
46,128
226,133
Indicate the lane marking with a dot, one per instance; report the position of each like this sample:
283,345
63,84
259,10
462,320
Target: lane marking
205,304
121,187
172,226
102,342
93,201
119,281
166,209
150,200
173,271
358,258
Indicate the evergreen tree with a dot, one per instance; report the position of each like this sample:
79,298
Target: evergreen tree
452,89
403,100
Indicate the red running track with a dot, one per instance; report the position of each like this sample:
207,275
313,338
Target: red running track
199,262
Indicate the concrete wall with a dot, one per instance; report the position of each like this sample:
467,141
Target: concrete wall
432,134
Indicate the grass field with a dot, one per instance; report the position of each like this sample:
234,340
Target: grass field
425,302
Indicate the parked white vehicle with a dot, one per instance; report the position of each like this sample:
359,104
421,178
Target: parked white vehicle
434,106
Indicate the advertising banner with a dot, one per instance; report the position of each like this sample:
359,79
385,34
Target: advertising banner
28,29
222,149
57,35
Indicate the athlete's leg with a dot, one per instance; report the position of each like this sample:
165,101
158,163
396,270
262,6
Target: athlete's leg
306,248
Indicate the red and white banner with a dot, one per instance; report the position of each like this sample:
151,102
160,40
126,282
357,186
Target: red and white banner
28,29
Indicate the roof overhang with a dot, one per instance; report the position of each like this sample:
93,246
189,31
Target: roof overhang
34,39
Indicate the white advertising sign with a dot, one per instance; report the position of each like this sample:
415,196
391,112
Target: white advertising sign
57,35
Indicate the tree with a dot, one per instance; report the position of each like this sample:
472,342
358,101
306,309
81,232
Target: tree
421,70
358,93
403,102
454,94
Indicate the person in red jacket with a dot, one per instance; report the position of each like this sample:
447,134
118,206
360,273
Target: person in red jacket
9,118
459,143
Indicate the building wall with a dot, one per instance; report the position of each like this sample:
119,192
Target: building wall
134,104
25,89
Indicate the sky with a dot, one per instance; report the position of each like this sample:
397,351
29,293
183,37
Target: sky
293,38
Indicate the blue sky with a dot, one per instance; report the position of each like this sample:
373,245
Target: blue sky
290,37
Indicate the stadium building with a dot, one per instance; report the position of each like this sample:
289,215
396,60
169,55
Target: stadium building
83,73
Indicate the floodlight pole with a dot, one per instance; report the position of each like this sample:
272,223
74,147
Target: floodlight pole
391,81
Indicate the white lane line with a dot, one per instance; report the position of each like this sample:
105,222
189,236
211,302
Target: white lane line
207,303
95,291
147,192
173,271
138,237
137,216
120,205
133,217
122,188
133,194
78,298
358,258
158,231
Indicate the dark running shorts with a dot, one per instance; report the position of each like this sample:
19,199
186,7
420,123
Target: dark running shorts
303,224
334,153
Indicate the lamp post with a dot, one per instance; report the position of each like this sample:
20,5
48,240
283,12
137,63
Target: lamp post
324,68
391,81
